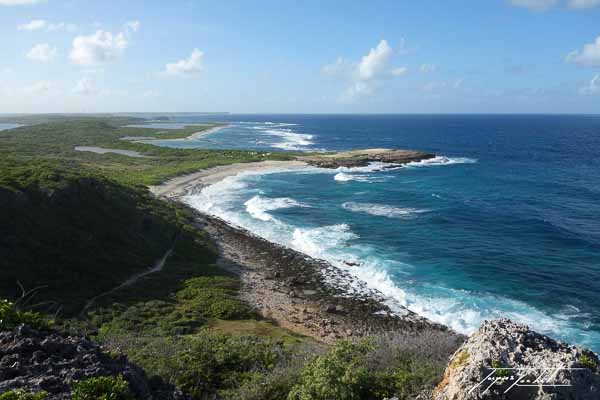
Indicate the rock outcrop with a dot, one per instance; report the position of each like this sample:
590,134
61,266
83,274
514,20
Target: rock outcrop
506,360
361,158
49,361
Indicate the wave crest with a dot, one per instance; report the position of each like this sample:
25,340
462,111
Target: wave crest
382,210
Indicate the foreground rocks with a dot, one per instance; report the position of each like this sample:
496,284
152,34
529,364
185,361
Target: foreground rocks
52,362
361,158
555,370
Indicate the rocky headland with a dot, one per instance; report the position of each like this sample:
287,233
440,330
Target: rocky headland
361,158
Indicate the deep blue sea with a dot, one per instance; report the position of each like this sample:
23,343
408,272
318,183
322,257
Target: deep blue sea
505,222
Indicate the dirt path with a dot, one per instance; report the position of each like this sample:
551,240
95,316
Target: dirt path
157,267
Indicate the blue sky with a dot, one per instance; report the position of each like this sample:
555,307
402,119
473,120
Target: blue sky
492,56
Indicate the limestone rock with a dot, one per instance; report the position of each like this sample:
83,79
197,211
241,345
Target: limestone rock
506,360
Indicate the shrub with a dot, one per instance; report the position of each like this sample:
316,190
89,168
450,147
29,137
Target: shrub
10,317
102,388
588,362
205,363
23,395
214,297
338,375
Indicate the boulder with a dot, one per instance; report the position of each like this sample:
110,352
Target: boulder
506,360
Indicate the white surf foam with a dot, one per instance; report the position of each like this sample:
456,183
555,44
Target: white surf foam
461,310
292,140
441,160
382,210
259,206
344,177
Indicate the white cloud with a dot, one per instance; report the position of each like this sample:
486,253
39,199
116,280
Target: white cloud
374,62
133,25
589,56
99,48
36,88
7,70
19,2
363,76
85,87
401,71
190,66
33,25
39,24
426,68
583,4
534,5
593,87
42,52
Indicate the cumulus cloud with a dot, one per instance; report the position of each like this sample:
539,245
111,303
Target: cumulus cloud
589,56
593,87
374,62
99,48
191,66
583,4
534,5
19,2
42,52
364,75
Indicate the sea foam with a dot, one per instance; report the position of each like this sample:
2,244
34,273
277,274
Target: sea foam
382,210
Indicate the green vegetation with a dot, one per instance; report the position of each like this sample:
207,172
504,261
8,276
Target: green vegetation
501,371
11,316
75,225
102,388
22,395
587,362
63,226
54,142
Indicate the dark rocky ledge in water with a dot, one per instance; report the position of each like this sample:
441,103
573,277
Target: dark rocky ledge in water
361,158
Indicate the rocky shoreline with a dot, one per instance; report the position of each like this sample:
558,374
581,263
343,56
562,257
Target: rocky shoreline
306,295
362,158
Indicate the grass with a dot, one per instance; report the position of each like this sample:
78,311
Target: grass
55,142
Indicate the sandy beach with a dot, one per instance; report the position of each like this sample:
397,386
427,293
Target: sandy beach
177,187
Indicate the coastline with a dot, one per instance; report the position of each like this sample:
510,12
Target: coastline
198,135
290,287
193,136
176,187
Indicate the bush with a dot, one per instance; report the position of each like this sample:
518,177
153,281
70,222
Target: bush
205,363
588,362
214,297
10,317
339,374
102,388
23,395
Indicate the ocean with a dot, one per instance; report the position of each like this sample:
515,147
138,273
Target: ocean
505,222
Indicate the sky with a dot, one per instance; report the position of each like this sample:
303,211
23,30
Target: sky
459,56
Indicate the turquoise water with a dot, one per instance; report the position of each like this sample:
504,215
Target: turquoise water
8,126
506,222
